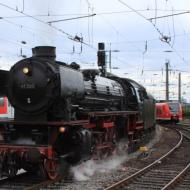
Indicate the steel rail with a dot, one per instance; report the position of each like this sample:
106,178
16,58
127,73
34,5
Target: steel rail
138,173
175,180
36,184
43,184
171,184
21,181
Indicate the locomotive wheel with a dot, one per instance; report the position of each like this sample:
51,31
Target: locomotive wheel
11,162
106,146
105,152
52,168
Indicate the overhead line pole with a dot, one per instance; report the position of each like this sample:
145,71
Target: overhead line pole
179,88
167,80
110,58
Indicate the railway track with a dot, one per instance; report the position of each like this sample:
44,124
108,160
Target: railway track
24,181
163,173
169,171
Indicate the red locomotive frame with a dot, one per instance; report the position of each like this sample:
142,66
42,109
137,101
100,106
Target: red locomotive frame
104,145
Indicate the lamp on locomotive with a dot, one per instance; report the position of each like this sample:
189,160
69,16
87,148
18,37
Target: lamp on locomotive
101,55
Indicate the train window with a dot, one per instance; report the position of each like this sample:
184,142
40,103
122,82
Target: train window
133,91
2,102
174,107
143,95
139,95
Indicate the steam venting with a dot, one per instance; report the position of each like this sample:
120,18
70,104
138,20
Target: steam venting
86,170
46,52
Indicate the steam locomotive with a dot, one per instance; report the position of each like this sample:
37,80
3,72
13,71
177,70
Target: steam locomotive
64,115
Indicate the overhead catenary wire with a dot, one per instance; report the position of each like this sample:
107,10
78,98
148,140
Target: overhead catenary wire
29,29
89,7
141,15
26,28
83,42
132,11
120,34
34,18
155,10
73,18
98,13
90,22
15,43
43,22
92,28
150,40
157,29
168,25
173,25
170,15
126,41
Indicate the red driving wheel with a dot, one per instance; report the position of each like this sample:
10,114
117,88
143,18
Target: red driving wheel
52,168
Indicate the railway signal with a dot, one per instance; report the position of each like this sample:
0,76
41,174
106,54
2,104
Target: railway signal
102,58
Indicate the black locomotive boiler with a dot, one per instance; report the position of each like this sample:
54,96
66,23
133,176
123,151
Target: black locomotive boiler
64,115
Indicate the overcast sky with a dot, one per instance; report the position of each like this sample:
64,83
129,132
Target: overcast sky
137,43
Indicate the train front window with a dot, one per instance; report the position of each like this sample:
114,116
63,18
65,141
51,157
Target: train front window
174,107
2,102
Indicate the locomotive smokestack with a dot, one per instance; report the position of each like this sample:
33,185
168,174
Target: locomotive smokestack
47,52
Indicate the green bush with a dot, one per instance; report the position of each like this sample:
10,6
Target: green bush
186,111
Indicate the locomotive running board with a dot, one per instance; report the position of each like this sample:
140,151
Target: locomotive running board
112,113
71,123
49,123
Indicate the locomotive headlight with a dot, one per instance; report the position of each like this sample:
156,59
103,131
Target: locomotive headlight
62,129
25,70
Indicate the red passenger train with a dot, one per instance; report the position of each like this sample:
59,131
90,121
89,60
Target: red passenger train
168,112
6,110
3,105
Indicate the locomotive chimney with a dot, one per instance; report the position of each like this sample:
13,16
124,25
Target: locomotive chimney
46,52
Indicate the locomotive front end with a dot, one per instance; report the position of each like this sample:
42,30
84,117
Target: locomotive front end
43,134
33,85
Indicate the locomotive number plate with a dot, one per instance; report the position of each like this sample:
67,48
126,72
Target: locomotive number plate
27,86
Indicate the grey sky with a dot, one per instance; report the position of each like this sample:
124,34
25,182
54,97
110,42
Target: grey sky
127,32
